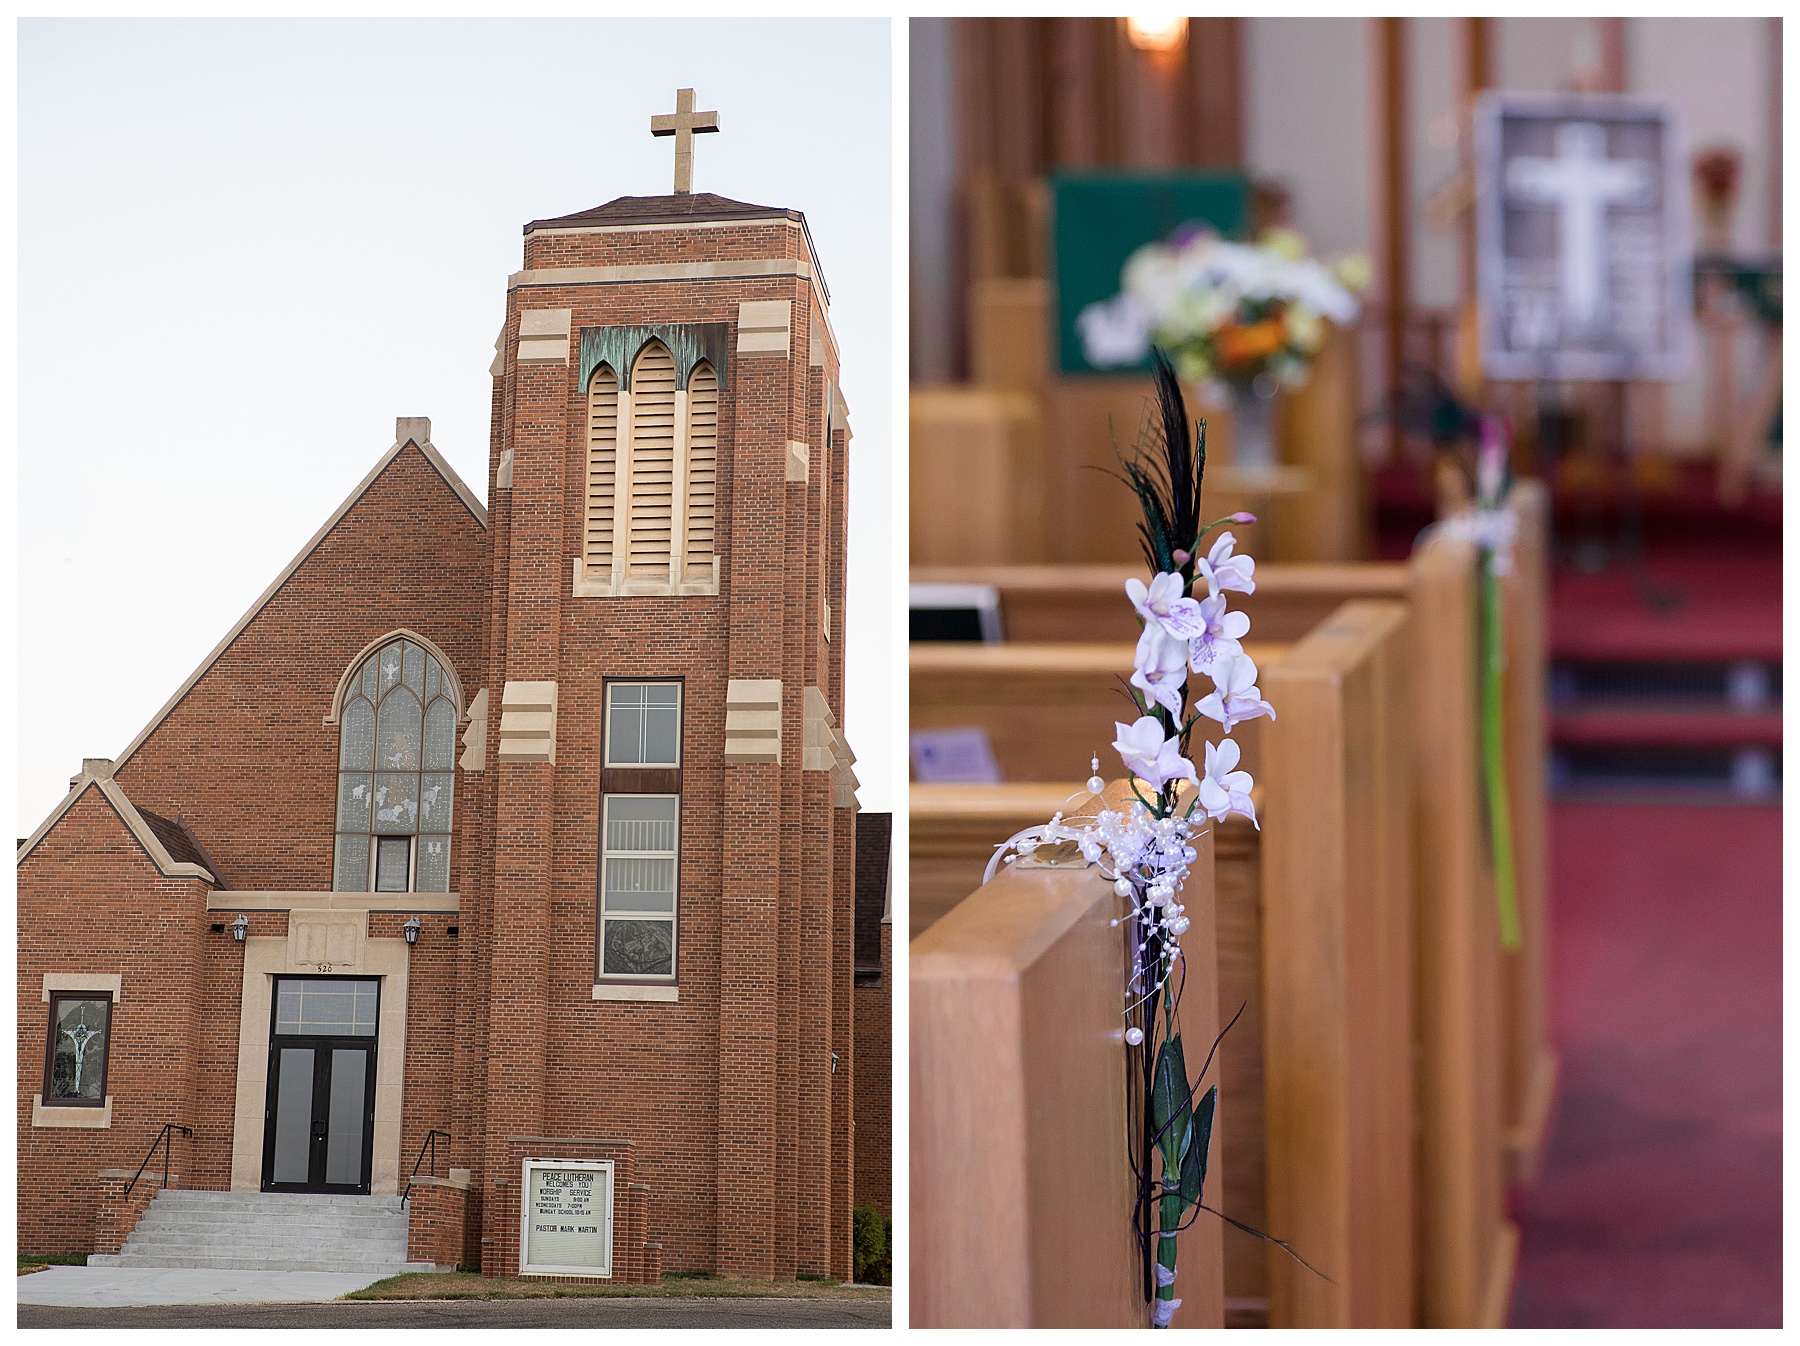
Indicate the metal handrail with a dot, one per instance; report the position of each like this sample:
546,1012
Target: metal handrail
162,1138
430,1144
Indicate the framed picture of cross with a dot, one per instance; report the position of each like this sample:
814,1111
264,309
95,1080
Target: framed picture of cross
1584,237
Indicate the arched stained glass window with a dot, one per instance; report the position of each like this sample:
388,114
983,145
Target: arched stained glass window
396,774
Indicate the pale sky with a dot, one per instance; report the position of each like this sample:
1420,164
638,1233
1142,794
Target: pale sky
246,246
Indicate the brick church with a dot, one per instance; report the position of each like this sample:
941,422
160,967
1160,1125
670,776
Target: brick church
504,858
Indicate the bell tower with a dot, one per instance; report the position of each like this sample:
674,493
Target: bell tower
666,923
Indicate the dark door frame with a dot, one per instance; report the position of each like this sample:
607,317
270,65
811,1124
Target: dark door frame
322,1047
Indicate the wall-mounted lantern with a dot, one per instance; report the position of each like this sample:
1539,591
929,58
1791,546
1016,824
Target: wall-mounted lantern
411,929
240,927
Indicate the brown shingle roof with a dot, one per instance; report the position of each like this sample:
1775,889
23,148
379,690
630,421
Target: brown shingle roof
181,843
681,209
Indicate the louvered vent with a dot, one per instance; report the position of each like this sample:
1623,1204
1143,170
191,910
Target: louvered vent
702,470
603,467
652,462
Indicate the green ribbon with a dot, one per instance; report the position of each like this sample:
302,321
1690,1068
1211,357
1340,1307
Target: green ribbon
1493,751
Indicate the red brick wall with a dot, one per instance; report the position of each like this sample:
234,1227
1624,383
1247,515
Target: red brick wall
875,1084
91,901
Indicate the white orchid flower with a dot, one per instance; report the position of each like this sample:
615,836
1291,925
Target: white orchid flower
1149,756
1235,698
1163,604
1220,634
1161,666
1224,571
1223,789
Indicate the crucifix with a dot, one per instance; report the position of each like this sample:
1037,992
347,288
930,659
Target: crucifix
684,124
1581,182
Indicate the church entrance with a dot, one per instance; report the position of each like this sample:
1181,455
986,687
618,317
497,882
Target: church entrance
319,1126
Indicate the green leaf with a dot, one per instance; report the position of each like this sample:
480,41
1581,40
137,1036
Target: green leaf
1193,1164
1171,1113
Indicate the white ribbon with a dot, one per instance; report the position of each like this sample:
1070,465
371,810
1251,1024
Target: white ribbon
1162,1311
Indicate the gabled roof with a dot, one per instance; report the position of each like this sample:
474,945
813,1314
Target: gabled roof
684,208
432,456
175,866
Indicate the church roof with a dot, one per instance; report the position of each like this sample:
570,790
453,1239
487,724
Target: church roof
179,841
184,860
685,208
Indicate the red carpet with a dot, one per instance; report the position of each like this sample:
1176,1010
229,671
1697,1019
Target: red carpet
1659,1202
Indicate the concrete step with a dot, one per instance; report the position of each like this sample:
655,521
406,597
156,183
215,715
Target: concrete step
265,1231
372,1268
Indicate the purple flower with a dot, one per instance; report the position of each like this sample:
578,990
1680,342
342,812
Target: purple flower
1235,697
1224,790
1225,571
1149,756
1220,634
1162,604
1161,667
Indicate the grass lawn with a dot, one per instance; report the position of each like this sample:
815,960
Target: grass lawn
30,1262
460,1285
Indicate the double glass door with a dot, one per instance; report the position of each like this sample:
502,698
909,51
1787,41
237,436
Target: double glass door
319,1127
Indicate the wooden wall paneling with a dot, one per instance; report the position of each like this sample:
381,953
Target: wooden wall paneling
1393,264
1212,128
1337,946
977,475
1531,1063
1467,1248
1319,431
1021,1190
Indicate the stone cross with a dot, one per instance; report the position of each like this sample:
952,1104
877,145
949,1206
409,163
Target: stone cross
1580,182
684,124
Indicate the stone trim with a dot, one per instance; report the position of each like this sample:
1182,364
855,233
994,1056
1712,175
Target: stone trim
234,899
528,721
764,326
432,456
82,981
753,720
354,668
474,739
544,336
93,1119
266,956
128,814
826,749
755,222
642,994
799,461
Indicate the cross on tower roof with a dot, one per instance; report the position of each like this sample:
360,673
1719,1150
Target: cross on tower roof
684,124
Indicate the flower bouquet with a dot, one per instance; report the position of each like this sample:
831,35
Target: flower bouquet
1145,846
1239,320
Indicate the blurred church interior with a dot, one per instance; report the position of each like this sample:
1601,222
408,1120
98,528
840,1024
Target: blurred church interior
1655,1201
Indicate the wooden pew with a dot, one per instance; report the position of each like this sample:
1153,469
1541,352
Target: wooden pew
1048,709
1064,603
1337,952
1021,1188
1334,1142
1530,1060
1467,1247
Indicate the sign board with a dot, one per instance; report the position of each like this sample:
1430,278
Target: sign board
1100,219
566,1217
1584,238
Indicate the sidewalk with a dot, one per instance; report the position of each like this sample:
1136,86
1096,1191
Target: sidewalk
113,1287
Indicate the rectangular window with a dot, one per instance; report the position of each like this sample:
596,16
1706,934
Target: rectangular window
327,1007
643,724
75,1057
639,861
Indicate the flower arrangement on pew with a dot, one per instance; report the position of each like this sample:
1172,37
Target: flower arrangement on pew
1146,849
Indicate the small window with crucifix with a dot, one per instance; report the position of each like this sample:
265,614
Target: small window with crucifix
75,1057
